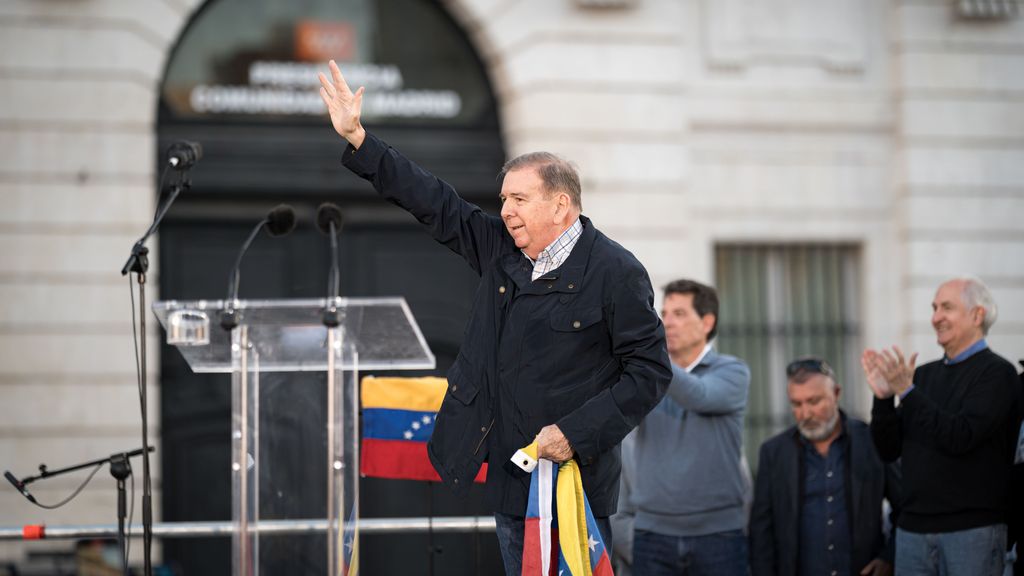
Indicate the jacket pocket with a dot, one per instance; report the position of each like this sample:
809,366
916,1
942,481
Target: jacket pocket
575,320
463,381
458,444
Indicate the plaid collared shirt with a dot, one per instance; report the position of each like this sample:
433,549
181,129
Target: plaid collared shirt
555,254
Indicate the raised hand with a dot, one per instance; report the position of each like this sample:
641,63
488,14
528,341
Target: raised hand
343,105
870,361
888,372
897,370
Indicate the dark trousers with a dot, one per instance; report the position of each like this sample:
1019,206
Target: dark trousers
721,554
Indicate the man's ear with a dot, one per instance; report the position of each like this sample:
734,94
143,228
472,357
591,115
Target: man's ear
978,315
708,323
561,207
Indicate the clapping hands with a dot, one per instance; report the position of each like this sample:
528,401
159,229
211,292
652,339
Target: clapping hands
888,372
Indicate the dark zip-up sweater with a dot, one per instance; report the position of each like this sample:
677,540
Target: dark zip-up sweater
955,432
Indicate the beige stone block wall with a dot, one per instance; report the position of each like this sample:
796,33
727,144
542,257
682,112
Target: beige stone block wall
792,139
78,96
602,87
962,164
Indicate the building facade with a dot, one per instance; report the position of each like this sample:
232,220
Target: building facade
825,164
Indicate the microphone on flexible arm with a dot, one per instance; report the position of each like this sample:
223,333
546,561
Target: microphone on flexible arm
328,221
279,222
20,486
184,154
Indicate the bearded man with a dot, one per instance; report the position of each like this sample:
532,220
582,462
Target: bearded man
820,487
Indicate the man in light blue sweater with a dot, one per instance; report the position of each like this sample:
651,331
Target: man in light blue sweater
691,482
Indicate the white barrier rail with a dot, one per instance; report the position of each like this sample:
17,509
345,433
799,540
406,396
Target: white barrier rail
207,529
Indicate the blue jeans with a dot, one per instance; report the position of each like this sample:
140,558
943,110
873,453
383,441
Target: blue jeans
978,552
721,554
510,539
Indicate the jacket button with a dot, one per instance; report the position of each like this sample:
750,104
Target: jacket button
455,387
501,289
575,323
571,286
456,480
550,286
483,428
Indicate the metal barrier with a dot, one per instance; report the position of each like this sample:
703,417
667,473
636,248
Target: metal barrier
206,529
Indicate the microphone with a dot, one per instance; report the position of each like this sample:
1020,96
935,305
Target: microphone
327,215
281,220
183,154
328,221
278,222
20,486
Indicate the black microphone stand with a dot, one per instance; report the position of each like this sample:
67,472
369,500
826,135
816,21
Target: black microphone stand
120,469
331,315
229,315
138,263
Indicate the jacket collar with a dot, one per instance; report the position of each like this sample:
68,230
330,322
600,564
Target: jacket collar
567,278
708,358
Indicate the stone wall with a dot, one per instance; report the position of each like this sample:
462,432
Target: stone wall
78,93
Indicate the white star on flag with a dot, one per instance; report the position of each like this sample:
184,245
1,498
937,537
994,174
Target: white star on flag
426,419
591,543
408,434
415,425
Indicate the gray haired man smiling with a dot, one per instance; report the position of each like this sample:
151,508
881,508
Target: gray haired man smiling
955,431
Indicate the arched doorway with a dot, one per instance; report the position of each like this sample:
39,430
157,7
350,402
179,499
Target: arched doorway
241,82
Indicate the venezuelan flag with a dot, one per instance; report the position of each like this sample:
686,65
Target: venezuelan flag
398,419
561,534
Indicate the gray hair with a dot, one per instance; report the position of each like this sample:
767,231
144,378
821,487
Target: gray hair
557,173
975,293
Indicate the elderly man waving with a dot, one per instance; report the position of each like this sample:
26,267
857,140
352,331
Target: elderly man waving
563,343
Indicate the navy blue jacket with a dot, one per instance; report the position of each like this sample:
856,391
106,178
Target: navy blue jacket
778,498
580,347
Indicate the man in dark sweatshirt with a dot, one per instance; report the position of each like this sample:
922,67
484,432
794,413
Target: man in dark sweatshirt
955,430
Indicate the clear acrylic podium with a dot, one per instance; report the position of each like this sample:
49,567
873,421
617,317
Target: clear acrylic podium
284,363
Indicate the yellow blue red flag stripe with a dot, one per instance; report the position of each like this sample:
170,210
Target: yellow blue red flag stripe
568,541
398,419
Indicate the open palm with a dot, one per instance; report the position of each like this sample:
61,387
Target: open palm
870,361
343,105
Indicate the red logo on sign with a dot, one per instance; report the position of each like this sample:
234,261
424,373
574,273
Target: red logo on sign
317,41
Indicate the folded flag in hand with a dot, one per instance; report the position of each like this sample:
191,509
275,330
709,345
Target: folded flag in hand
398,419
566,542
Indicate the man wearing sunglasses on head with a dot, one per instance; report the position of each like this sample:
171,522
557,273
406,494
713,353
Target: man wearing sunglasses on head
820,485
